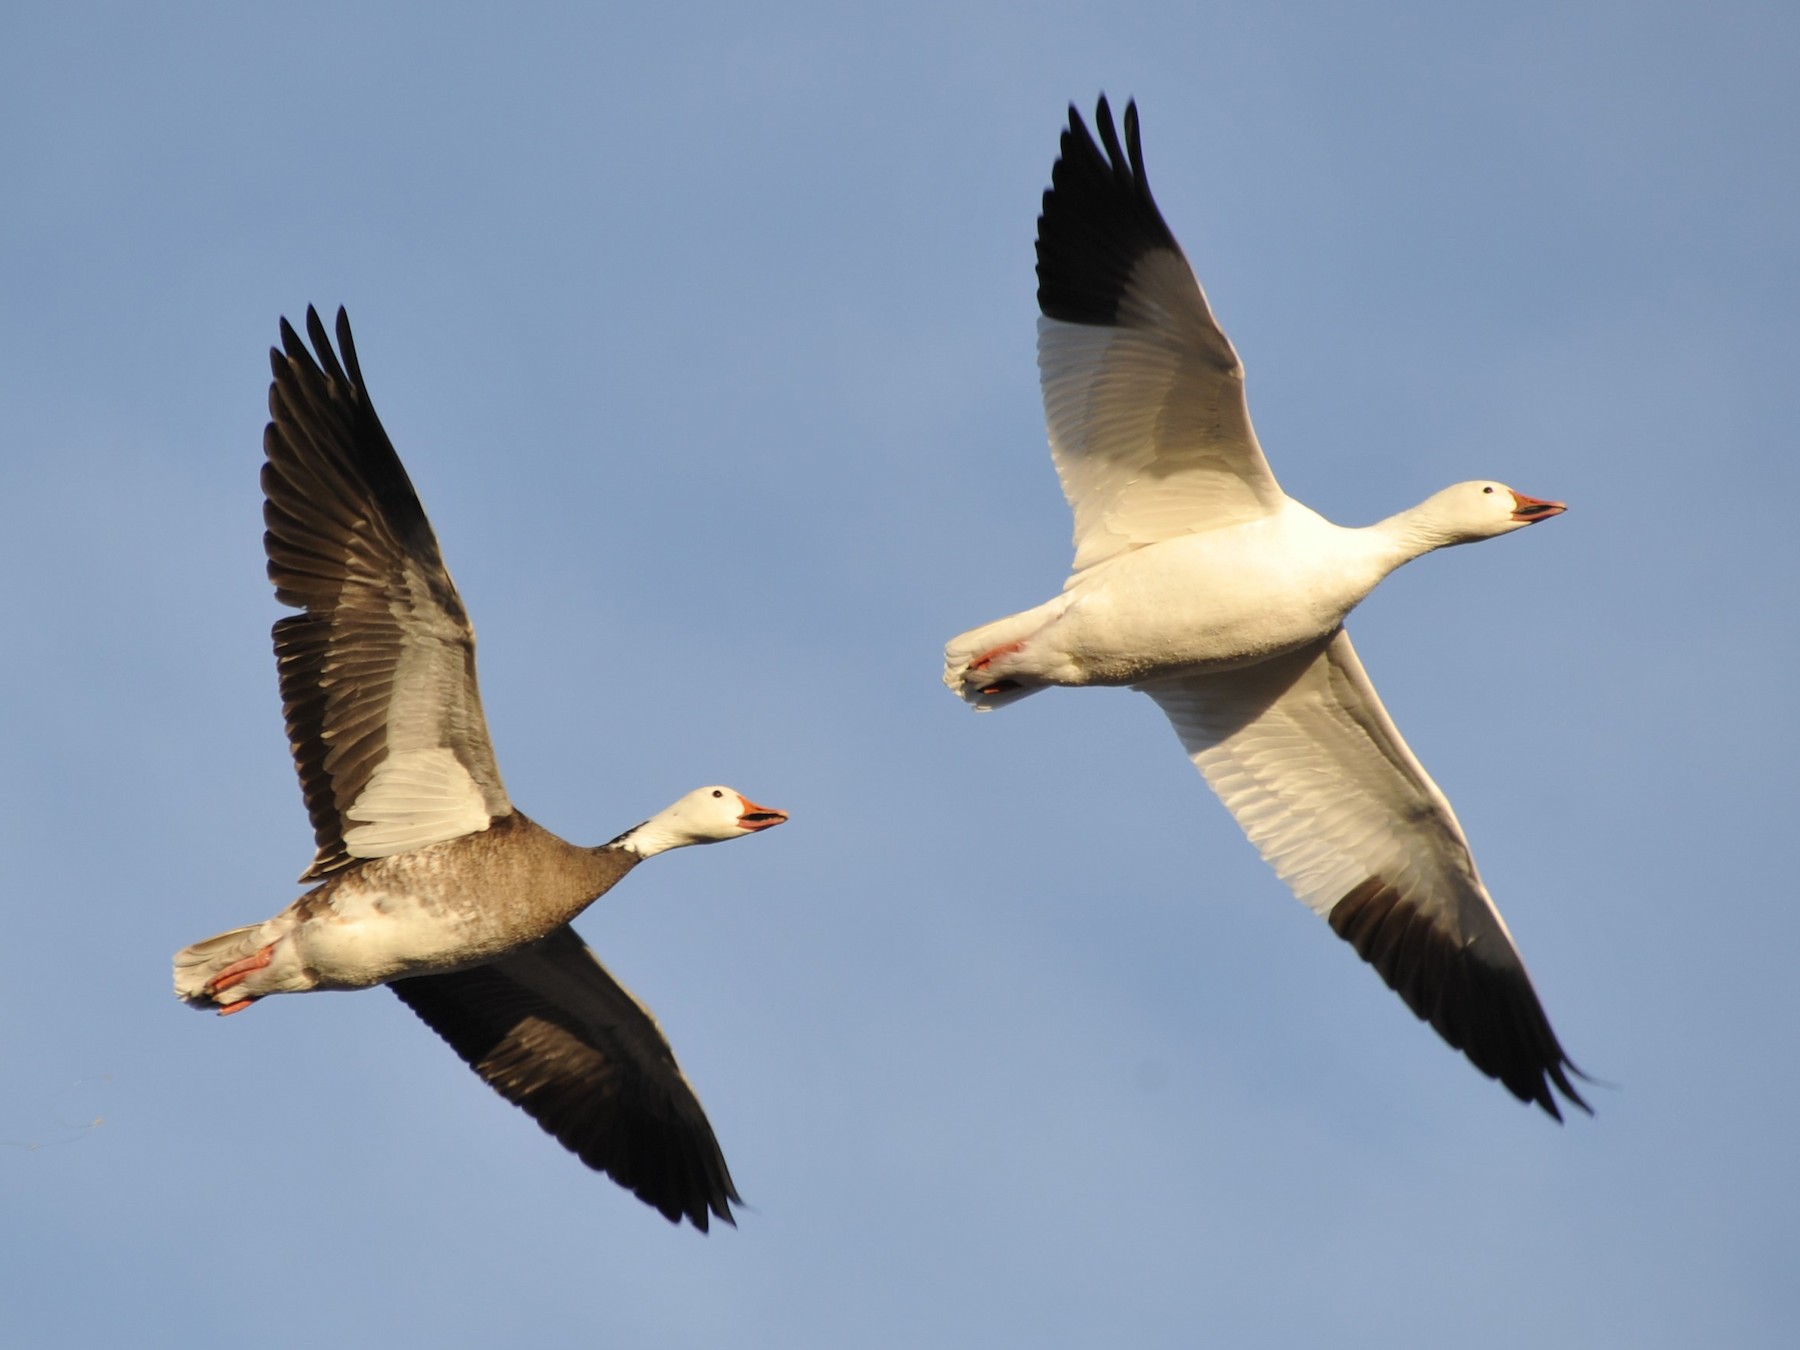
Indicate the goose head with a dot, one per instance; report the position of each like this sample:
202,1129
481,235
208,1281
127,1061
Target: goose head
1480,509
704,816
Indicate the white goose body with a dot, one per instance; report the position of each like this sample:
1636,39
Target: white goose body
1198,581
429,880
1210,601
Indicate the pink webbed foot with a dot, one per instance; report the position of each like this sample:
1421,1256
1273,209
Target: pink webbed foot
987,658
239,971
237,1007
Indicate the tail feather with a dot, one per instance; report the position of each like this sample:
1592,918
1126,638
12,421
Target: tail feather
195,965
986,689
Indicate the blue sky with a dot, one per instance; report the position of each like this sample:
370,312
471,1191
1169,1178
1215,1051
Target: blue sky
707,337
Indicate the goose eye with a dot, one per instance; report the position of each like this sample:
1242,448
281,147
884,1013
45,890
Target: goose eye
717,793
1487,489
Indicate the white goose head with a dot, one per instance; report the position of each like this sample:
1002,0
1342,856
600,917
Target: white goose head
705,816
1479,509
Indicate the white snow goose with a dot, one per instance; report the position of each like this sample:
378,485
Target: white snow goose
1200,582
430,881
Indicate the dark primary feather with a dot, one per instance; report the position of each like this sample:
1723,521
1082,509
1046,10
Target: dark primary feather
1099,219
1151,436
349,544
1288,743
1477,996
551,1030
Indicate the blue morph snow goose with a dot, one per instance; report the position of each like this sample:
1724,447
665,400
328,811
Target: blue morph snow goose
430,881
1200,582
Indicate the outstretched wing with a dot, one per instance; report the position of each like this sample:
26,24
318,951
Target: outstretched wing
549,1029
1143,393
378,671
1304,755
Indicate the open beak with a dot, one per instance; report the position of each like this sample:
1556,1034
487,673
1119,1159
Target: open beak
1529,509
759,817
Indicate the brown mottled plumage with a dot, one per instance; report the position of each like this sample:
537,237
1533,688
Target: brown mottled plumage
429,880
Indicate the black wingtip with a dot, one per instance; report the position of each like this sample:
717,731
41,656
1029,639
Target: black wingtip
1098,220
1134,146
1109,135
1486,1009
1560,1074
315,352
323,386
347,346
703,1212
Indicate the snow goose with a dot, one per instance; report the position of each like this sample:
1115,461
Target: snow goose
430,881
1200,582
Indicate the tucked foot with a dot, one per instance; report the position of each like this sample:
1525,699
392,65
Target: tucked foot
999,686
237,1007
1006,649
237,972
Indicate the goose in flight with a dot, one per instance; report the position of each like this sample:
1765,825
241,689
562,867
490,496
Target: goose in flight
429,880
1200,582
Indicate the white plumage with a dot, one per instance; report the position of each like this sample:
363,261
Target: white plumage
1197,580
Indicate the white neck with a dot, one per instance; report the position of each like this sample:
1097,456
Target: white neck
1413,533
704,816
656,835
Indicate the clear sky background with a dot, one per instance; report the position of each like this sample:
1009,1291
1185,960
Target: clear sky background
707,336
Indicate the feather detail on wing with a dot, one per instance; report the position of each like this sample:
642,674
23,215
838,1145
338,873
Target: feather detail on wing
1301,751
553,1032
1143,393
378,671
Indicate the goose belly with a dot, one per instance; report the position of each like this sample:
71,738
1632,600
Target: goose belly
446,907
1192,606
366,935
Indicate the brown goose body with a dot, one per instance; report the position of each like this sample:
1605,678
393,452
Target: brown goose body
457,903
430,881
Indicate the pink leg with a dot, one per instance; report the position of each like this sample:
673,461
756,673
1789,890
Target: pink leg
982,662
238,971
237,1007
